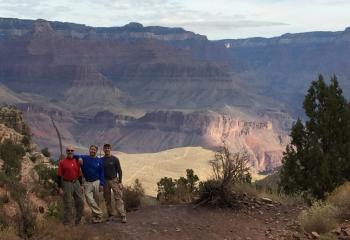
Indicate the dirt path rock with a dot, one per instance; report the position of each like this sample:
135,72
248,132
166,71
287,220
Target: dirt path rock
185,222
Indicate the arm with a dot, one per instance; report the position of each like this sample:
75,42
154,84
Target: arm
79,158
59,175
101,173
80,179
118,169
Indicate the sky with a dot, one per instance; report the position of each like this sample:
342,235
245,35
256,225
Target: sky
217,19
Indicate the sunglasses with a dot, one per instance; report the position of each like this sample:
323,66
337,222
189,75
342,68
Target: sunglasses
69,150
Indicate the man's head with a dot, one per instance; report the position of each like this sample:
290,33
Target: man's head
107,149
69,151
93,150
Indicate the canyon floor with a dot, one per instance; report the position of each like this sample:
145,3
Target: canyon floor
187,222
149,168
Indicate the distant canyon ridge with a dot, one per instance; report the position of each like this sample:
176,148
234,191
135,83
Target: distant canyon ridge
148,89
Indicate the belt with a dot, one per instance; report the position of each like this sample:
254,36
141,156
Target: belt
91,180
72,181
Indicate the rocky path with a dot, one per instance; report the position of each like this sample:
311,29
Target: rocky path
270,221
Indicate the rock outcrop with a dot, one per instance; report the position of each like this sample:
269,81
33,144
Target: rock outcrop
11,117
161,130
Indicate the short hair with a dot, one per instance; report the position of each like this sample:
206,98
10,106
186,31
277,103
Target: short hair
69,147
107,145
93,146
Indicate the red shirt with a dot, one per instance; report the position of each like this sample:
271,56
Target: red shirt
69,169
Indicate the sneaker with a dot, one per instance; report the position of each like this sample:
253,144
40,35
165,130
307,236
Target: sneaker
123,219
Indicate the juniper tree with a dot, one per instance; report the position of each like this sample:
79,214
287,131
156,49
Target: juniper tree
318,158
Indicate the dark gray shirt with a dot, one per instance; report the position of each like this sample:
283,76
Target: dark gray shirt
112,168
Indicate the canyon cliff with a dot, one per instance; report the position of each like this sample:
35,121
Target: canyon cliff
147,89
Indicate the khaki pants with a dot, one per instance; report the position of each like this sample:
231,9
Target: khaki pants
118,196
92,197
72,190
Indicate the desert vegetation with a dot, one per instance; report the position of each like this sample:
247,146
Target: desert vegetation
316,163
317,159
25,219
181,190
133,196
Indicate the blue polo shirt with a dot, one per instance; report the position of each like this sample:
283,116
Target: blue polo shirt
92,168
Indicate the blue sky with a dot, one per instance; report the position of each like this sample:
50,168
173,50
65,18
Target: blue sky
218,19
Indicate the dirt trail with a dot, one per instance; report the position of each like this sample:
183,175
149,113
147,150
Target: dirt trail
185,222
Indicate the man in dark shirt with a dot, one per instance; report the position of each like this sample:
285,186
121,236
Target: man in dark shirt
113,181
69,182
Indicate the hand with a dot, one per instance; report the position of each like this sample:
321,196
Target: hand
101,188
82,188
120,185
60,192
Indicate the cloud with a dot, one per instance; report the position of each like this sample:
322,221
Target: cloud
219,19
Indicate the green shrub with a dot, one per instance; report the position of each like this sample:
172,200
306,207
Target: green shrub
4,223
26,141
45,152
321,217
55,210
229,169
133,196
166,188
340,198
11,154
179,190
4,198
33,158
9,233
27,138
47,175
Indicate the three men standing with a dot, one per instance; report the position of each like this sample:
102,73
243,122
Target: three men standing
99,173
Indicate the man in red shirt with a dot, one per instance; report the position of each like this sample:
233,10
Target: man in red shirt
69,182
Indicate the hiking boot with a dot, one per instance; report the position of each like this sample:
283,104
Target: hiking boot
77,221
110,218
123,219
96,220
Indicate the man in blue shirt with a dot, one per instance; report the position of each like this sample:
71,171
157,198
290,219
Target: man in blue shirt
92,168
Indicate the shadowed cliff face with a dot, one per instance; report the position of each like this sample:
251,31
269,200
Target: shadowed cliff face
130,66
283,67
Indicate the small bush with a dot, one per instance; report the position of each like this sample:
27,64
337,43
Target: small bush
4,198
321,217
328,236
340,198
47,176
179,190
229,169
33,158
26,141
9,233
52,228
166,188
55,210
3,220
11,154
133,196
45,152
